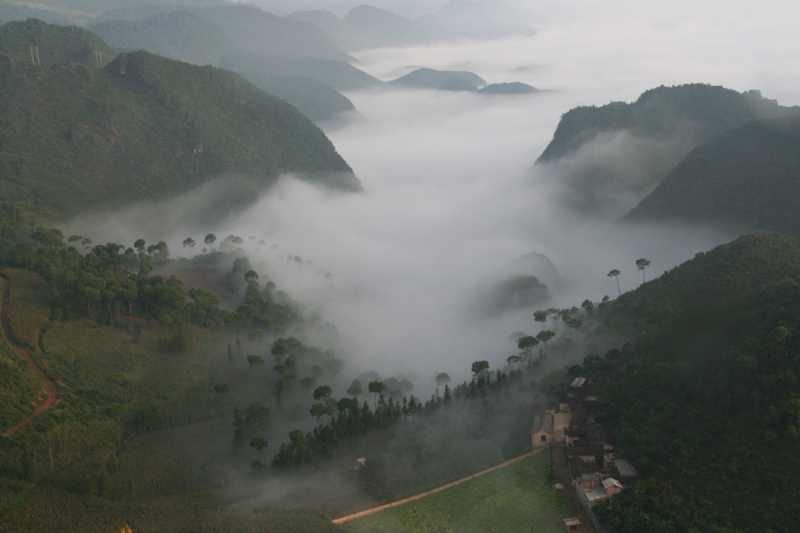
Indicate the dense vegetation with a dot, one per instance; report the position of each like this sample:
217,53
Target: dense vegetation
745,177
337,74
75,138
314,99
37,42
706,111
205,34
706,401
605,157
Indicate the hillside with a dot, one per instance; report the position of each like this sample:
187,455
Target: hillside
706,402
337,74
144,127
600,154
314,99
746,177
205,34
53,44
428,78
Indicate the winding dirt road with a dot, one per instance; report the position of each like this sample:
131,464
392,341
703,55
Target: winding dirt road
52,392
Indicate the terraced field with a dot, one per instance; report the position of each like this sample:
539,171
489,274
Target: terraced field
515,498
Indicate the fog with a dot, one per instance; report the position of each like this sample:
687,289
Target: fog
450,199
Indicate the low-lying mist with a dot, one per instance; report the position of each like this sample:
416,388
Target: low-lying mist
451,199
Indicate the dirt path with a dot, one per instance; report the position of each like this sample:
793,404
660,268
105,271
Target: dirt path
428,493
52,393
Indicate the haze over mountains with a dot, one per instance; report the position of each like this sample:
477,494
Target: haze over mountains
469,211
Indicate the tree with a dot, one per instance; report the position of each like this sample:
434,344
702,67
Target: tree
238,428
588,306
323,393
527,343
540,316
615,274
222,387
641,264
189,242
210,239
376,388
257,416
480,368
355,388
545,335
319,410
259,443
515,359
442,379
254,360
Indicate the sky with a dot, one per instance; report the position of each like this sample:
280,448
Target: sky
450,199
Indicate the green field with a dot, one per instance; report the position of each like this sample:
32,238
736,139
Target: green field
515,498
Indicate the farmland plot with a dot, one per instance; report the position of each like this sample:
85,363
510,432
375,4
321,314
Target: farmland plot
517,497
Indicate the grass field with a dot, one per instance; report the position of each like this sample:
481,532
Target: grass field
515,498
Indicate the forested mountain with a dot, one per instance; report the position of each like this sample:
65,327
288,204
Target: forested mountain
428,78
314,99
748,178
34,41
337,74
205,34
145,127
603,153
706,400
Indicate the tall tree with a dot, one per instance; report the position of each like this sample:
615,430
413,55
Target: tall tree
376,388
541,316
615,274
188,242
641,264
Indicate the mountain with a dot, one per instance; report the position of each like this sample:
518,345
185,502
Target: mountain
608,157
145,127
133,35
748,177
315,100
383,26
705,397
458,84
514,87
205,34
35,41
477,20
336,74
428,78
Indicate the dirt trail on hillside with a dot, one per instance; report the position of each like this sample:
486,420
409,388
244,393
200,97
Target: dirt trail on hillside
428,493
52,392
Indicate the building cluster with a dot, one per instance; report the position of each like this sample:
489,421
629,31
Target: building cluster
596,474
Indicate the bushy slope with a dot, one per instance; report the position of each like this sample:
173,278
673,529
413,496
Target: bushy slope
337,74
55,44
314,99
706,110
205,34
608,158
747,177
707,404
76,138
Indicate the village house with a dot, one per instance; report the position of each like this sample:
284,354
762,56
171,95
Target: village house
608,488
542,430
627,473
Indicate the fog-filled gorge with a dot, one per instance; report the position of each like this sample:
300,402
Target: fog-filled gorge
269,265
450,197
